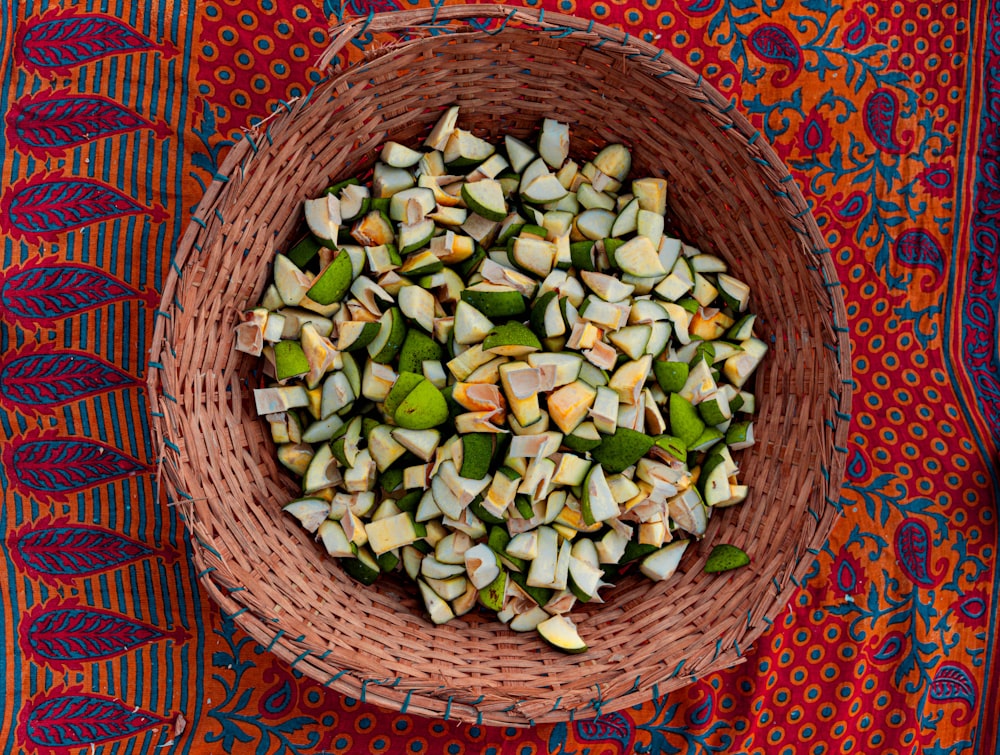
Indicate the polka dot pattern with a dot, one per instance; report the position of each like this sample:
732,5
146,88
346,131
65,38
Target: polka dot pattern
261,55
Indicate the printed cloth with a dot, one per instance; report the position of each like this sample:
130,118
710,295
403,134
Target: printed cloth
116,116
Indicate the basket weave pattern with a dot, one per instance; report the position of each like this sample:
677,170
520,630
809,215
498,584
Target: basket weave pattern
729,194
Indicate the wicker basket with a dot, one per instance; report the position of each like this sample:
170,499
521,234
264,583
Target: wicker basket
729,194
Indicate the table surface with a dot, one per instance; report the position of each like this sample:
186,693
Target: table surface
117,116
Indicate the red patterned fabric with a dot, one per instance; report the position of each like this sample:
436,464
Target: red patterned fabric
116,117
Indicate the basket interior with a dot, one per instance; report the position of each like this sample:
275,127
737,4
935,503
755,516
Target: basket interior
721,199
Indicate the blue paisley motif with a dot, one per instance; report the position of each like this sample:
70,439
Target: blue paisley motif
917,248
80,719
613,726
79,38
66,465
56,205
42,123
774,44
279,700
813,136
890,648
881,116
74,633
857,466
853,207
846,577
74,551
952,683
42,293
939,179
703,713
913,550
973,607
47,380
857,34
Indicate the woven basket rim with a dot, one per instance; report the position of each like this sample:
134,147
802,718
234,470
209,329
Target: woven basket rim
421,23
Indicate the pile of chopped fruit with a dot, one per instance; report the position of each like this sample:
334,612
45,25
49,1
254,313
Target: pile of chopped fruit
496,373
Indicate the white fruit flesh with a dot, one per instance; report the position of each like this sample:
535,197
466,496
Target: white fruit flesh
553,142
595,223
482,565
280,399
662,564
422,443
399,155
437,607
391,532
334,540
387,180
311,512
598,502
442,131
561,633
614,161
323,217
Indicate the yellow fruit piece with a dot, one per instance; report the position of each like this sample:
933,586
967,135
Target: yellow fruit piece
569,405
478,397
709,324
574,520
